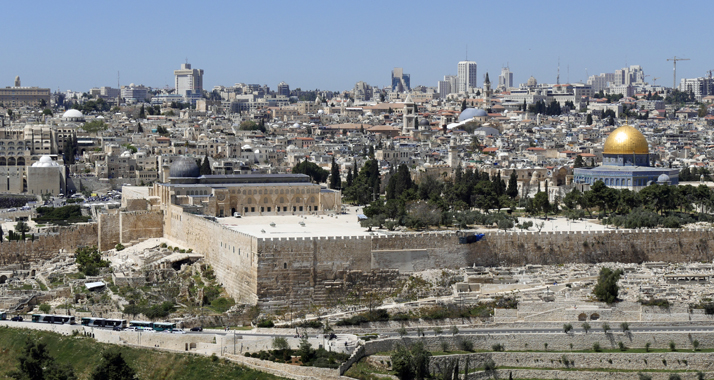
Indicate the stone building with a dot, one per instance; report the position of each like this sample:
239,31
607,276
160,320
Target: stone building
247,194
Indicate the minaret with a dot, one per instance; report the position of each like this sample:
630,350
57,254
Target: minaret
453,153
487,92
17,81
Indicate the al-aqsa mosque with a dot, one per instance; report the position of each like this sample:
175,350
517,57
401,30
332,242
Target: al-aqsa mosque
625,164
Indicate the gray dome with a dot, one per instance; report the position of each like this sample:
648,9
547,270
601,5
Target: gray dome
471,113
424,122
663,178
184,168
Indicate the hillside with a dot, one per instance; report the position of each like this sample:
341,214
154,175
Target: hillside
84,355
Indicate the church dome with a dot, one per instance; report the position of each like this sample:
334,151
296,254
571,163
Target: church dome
424,122
184,168
471,113
626,140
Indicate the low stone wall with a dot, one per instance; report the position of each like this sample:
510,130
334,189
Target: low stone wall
556,342
286,370
577,375
46,247
669,361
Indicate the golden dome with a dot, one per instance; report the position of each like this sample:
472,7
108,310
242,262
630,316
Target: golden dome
626,140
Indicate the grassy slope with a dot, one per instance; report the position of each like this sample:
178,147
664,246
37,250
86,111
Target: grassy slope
84,355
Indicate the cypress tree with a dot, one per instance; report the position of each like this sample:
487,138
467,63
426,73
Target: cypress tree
335,180
349,178
206,167
512,190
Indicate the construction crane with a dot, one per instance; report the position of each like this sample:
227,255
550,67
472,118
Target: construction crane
654,81
674,75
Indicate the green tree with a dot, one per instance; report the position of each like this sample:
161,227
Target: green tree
512,190
316,173
88,259
94,126
579,162
142,114
113,367
205,168
305,351
589,119
335,180
22,228
541,202
606,288
35,363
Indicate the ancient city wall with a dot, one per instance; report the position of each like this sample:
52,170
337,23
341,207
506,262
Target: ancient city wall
278,272
45,247
232,254
129,228
321,270
521,248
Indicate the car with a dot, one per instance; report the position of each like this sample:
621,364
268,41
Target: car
117,328
16,318
178,331
130,329
196,328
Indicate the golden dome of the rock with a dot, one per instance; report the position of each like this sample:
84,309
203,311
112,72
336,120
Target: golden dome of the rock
626,140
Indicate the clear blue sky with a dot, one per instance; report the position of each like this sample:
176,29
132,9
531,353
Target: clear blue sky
333,44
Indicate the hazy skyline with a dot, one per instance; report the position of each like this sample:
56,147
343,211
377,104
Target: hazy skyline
333,45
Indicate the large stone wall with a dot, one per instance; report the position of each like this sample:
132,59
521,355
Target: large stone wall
278,272
232,254
45,247
129,227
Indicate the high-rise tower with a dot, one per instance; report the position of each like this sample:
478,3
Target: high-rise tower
467,75
188,79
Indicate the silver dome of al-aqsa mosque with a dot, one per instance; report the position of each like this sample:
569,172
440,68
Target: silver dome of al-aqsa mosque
184,168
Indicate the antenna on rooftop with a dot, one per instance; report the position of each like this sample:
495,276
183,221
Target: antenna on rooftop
557,79
568,73
467,52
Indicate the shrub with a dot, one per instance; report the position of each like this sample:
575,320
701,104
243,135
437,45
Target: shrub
438,330
605,328
642,376
695,345
454,330
119,247
675,376
596,347
402,331
45,308
567,328
445,346
466,345
625,326
586,327
266,323
497,347
672,346
647,346
280,343
621,346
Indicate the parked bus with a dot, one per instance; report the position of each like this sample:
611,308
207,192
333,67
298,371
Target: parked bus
3,315
115,323
92,322
160,326
141,325
101,322
50,318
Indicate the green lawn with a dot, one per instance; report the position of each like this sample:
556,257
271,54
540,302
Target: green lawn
83,354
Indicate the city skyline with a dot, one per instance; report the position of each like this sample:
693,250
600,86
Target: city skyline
232,44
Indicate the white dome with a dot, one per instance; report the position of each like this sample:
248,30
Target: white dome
320,112
45,162
296,125
126,154
73,113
